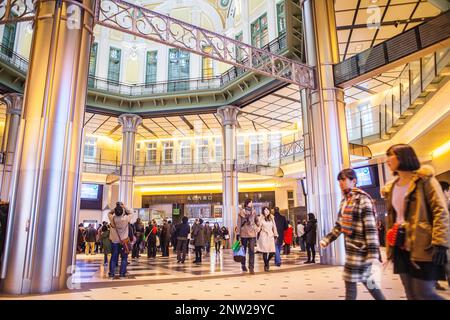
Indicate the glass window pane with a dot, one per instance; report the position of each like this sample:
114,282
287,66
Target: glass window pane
178,70
150,71
281,18
114,64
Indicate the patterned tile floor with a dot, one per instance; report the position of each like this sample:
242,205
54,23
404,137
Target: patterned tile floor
217,278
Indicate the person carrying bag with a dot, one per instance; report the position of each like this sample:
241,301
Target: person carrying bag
120,240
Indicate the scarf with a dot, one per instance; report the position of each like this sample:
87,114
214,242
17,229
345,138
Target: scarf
347,209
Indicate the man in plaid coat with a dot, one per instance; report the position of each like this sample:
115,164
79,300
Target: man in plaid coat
356,220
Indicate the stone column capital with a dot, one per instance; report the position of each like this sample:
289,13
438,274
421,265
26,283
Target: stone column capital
228,115
129,122
14,103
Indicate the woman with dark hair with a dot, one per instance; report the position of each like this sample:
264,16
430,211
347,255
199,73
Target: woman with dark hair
356,220
267,234
217,234
310,237
106,243
246,230
417,224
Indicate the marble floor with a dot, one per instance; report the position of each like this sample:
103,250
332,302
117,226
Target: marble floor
217,278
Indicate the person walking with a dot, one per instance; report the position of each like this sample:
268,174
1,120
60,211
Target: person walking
106,243
311,238
165,239
247,225
151,240
226,237
288,239
300,233
91,238
198,236
208,235
356,220
381,233
282,225
267,235
138,229
217,234
417,224
80,239
182,231
120,219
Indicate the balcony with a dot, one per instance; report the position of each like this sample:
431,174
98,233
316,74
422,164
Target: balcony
128,90
416,84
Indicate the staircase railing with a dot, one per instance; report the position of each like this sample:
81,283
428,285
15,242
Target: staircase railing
402,100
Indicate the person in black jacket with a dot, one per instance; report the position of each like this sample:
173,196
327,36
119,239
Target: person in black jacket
182,231
311,238
281,224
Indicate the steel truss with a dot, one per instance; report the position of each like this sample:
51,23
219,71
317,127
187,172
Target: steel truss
153,26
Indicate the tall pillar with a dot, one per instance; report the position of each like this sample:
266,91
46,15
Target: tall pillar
271,19
130,123
13,103
228,116
245,21
325,133
41,243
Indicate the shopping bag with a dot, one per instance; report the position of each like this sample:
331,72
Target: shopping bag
236,245
239,255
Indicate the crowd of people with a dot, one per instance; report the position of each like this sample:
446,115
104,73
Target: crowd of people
416,234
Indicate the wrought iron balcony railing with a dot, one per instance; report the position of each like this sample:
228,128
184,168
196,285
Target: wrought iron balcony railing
20,63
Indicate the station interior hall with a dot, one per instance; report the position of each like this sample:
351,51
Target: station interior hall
188,108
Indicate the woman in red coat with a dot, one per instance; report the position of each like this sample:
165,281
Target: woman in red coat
288,236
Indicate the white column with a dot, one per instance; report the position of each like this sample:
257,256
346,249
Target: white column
271,19
14,102
326,143
228,117
40,242
245,17
130,123
103,53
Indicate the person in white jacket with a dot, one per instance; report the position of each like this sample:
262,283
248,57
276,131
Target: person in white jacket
300,233
267,234
120,218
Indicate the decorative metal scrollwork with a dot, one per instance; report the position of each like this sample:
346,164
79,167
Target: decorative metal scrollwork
12,11
150,25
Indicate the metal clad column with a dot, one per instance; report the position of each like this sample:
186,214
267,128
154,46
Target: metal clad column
130,123
40,244
228,116
14,102
326,143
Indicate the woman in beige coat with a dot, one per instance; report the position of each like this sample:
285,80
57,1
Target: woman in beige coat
417,224
267,234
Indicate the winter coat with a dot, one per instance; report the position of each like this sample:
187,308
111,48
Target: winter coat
104,237
198,234
217,233
165,233
426,215
119,226
208,234
310,235
267,233
282,225
247,224
182,231
91,235
288,235
362,245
